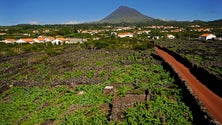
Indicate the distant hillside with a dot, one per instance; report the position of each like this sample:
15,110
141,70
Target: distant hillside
126,15
216,22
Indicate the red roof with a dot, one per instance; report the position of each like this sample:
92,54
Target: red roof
10,40
125,33
206,34
62,39
40,39
50,38
28,40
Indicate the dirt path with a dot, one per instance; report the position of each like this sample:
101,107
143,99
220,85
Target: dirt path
211,101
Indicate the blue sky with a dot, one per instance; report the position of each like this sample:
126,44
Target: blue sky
73,11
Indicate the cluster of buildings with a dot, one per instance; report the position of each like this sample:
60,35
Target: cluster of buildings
168,32
61,40
129,34
198,28
41,39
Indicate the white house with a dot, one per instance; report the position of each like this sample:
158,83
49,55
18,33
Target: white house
49,39
143,32
59,41
9,41
156,37
219,38
20,41
170,36
39,40
125,34
25,40
207,37
75,40
114,33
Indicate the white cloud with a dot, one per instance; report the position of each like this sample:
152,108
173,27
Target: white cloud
69,22
165,19
72,22
34,23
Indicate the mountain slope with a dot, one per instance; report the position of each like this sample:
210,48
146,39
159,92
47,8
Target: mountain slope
126,15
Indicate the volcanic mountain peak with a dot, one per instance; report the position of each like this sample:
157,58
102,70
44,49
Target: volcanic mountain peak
125,14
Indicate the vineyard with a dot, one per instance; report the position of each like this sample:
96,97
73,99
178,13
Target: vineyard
46,84
204,54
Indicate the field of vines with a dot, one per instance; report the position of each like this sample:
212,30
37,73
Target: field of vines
206,54
46,84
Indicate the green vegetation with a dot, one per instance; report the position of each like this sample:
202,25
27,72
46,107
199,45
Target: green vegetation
90,74
119,43
93,116
122,90
15,49
160,110
32,105
65,85
49,84
203,54
217,69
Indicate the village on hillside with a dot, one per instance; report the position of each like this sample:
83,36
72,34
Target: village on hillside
59,36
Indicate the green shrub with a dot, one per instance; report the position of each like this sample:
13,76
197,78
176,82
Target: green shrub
70,74
122,90
90,73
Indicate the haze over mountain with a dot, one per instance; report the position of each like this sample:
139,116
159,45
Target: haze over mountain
125,14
